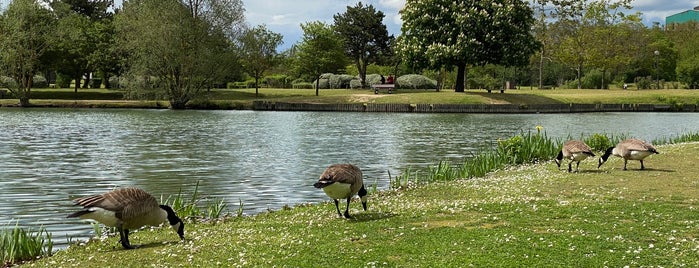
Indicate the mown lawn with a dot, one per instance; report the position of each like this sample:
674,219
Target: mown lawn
243,98
524,216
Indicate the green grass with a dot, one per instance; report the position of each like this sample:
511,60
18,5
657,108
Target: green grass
243,98
20,244
517,216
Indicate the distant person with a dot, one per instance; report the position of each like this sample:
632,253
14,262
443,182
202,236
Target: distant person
390,79
383,79
626,86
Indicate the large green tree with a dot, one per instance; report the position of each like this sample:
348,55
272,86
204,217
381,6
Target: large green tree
178,48
320,51
439,33
365,36
25,37
259,52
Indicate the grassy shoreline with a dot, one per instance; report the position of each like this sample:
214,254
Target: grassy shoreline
243,98
526,215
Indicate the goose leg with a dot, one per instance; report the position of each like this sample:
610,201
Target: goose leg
570,166
124,236
337,206
642,167
577,166
347,215
625,161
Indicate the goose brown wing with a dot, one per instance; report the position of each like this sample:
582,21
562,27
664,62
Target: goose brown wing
342,173
125,202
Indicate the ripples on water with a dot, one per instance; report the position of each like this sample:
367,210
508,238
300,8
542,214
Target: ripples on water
264,159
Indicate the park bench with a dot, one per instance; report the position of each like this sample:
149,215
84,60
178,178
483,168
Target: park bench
377,87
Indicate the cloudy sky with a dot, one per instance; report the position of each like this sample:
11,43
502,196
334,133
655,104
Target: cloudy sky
285,16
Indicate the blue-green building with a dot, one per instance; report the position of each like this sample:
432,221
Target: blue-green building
682,17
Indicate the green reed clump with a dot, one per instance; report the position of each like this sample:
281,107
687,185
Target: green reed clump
525,148
189,207
600,142
18,244
687,137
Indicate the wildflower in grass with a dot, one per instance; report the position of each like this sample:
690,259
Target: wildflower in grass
539,128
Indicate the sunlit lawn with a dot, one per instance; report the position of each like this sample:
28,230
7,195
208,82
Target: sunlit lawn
245,97
525,216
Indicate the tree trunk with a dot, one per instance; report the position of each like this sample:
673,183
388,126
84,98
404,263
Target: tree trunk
257,92
604,72
107,85
460,81
77,83
318,83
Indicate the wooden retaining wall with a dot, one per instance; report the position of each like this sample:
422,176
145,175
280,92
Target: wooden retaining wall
471,108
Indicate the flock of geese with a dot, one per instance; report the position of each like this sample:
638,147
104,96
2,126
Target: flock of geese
131,208
630,149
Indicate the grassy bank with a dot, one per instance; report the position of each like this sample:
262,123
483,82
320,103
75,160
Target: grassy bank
243,98
530,215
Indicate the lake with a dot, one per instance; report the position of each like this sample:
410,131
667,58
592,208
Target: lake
265,160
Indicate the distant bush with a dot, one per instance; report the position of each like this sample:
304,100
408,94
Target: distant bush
341,80
8,82
63,80
415,81
329,80
96,82
40,82
114,82
643,82
303,85
278,81
591,80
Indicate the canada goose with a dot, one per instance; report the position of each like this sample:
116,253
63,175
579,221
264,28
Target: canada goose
631,149
342,181
127,209
574,150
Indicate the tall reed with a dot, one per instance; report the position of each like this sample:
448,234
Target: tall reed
18,244
189,207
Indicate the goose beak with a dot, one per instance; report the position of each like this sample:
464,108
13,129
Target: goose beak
179,228
364,200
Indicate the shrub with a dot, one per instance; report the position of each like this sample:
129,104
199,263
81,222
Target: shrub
643,82
63,80
303,85
8,82
598,142
341,80
415,81
278,81
96,82
688,72
114,82
40,82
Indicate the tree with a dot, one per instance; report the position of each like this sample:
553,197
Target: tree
259,52
439,33
25,34
688,72
365,35
320,51
177,48
610,33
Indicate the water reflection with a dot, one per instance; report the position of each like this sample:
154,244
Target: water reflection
264,159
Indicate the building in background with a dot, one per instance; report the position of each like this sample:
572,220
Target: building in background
682,17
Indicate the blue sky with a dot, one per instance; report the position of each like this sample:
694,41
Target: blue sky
285,16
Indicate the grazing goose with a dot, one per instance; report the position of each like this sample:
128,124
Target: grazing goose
631,149
576,151
342,181
127,209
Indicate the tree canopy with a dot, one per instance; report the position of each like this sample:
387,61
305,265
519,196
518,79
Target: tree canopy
259,51
365,36
26,28
439,33
319,51
185,46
